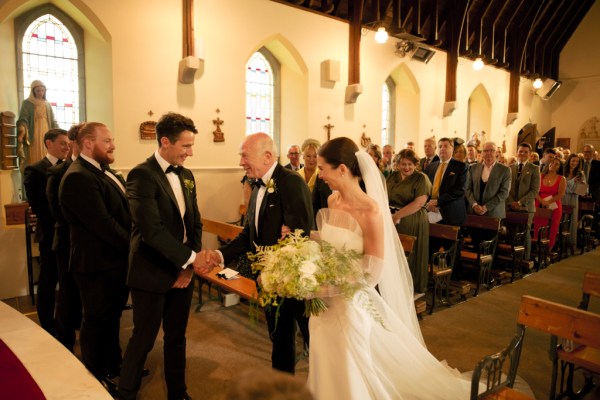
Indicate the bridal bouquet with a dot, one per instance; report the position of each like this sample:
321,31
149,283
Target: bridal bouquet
298,267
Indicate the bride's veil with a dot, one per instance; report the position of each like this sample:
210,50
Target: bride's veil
396,286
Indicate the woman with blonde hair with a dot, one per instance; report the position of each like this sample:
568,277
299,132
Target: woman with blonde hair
309,148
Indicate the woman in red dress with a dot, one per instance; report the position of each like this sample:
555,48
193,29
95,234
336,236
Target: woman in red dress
552,190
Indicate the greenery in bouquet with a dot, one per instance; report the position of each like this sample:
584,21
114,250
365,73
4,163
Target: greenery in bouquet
298,267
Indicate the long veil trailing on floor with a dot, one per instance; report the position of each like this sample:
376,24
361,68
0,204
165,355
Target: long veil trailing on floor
396,286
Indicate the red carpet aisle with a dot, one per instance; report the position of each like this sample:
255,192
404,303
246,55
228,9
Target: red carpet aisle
15,381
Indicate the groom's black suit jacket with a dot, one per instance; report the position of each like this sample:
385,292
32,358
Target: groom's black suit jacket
157,249
290,204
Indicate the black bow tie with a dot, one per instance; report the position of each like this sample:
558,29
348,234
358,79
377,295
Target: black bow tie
257,183
174,169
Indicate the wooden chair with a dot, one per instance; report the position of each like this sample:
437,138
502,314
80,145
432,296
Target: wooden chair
572,325
30,227
564,233
499,372
441,262
511,249
591,287
241,285
584,233
480,256
408,245
540,243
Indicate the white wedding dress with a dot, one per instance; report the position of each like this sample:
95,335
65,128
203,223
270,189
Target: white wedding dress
354,356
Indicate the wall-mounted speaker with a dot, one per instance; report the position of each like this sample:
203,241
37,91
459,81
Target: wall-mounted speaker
549,87
423,54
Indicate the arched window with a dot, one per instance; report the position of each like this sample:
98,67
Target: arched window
388,112
50,48
263,94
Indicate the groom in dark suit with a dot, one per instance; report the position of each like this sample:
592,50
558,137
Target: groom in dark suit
280,198
56,143
167,234
93,202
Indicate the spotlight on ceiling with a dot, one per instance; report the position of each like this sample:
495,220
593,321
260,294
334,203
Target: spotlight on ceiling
478,64
381,36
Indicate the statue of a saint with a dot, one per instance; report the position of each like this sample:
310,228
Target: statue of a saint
35,119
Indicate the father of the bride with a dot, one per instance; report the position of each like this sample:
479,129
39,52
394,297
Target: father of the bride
279,197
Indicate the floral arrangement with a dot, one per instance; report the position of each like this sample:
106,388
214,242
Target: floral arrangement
189,185
297,267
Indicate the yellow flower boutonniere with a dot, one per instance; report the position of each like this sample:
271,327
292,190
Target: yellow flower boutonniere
271,187
189,185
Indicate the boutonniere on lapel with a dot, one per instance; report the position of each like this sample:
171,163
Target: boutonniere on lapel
189,186
452,173
271,186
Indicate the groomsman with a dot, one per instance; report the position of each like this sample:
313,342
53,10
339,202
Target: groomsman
56,143
93,202
488,184
68,305
167,234
524,186
279,197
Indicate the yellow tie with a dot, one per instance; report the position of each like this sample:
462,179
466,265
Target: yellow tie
435,193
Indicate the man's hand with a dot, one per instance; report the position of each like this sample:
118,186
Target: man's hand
183,279
515,206
431,205
205,261
479,210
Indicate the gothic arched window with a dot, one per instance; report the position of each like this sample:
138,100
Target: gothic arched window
50,48
388,112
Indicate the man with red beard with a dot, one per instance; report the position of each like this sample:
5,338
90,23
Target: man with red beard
92,198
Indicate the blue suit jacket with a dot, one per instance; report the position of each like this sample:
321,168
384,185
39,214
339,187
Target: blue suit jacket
452,191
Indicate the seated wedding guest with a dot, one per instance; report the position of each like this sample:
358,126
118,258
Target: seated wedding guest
552,190
310,147
408,190
265,384
293,155
574,176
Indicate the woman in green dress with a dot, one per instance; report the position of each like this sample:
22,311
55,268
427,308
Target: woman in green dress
408,190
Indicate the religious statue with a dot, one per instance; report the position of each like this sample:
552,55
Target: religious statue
35,119
218,134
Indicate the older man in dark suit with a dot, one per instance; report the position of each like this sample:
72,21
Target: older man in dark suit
93,202
281,197
167,234
430,156
68,305
35,179
524,186
449,178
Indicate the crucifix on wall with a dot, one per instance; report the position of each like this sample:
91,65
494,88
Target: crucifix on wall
329,127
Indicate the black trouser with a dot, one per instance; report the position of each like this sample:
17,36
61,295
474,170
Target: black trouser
149,310
103,295
46,290
68,306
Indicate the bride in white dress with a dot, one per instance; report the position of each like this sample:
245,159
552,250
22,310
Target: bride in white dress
352,355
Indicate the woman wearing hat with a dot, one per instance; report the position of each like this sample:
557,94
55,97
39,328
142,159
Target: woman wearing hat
35,119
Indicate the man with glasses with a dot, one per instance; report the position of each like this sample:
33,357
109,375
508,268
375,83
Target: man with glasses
293,155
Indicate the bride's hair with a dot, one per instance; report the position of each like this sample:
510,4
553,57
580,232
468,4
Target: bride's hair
341,151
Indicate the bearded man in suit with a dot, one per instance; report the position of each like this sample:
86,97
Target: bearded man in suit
93,202
68,305
281,197
167,234
524,186
34,180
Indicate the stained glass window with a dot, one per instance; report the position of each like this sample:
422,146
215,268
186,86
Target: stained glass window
49,53
259,95
387,112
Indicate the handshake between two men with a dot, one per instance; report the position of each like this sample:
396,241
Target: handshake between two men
204,263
